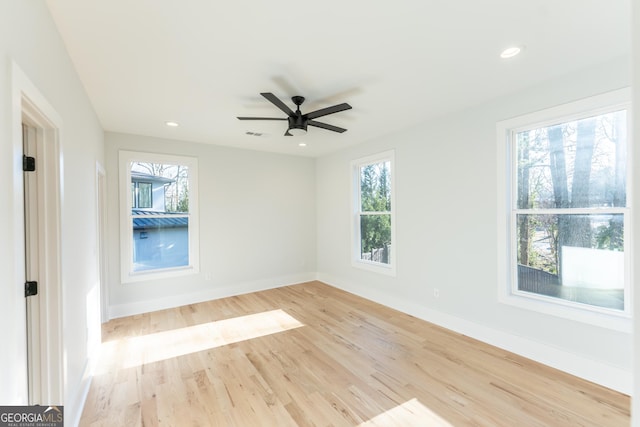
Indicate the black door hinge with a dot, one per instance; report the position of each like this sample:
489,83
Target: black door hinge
30,289
28,163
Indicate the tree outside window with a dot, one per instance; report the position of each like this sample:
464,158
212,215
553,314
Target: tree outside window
375,212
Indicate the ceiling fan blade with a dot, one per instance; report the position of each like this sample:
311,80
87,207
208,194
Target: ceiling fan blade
260,118
329,110
325,126
278,103
287,133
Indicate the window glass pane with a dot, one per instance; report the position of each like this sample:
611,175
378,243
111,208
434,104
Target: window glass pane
375,238
144,195
576,164
375,187
578,258
160,242
160,232
168,186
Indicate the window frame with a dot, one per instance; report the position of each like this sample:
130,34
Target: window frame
128,275
507,210
356,205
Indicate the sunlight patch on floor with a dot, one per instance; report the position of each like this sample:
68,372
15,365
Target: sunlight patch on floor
144,349
410,413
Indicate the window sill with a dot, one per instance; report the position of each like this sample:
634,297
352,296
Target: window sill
144,276
388,270
604,318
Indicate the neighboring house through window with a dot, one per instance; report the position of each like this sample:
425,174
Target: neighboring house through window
141,191
373,225
159,219
566,210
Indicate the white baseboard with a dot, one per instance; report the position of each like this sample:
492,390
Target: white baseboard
73,408
216,292
600,373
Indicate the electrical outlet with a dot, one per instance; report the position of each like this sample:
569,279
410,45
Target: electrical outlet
436,293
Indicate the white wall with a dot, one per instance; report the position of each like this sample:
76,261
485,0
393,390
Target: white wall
257,224
446,207
29,39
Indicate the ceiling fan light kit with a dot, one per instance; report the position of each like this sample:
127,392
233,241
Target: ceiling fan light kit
296,131
298,122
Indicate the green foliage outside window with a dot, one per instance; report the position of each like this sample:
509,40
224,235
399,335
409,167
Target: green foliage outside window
375,208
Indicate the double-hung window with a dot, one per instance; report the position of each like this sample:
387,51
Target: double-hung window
373,225
159,221
564,220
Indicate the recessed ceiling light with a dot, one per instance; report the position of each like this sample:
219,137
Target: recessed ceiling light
172,124
302,144
510,52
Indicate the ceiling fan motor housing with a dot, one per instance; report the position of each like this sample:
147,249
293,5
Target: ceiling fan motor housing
298,122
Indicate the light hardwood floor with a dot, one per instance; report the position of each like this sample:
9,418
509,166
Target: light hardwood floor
312,355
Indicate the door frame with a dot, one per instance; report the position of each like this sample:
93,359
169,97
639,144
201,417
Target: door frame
33,260
103,260
32,108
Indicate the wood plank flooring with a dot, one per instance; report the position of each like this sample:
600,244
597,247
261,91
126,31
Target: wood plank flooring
312,355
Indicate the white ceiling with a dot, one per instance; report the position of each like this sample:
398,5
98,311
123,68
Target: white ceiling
398,63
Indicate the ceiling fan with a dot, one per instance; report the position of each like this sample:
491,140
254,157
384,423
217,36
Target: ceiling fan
298,122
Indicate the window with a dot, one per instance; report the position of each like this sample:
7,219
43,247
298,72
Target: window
141,195
566,213
159,220
373,221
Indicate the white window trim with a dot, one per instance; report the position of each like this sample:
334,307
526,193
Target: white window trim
126,246
606,318
356,261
